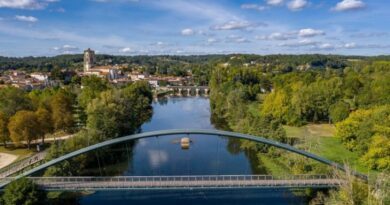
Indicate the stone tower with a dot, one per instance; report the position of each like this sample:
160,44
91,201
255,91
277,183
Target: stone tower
89,59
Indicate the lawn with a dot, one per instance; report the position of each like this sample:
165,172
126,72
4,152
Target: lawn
20,152
331,148
310,130
324,144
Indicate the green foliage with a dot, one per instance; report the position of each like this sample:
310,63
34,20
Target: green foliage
114,113
92,86
45,122
24,126
23,192
120,111
4,135
12,100
61,105
358,130
378,155
338,111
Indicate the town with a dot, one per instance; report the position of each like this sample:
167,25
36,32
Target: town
114,74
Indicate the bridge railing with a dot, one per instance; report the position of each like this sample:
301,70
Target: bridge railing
201,181
22,164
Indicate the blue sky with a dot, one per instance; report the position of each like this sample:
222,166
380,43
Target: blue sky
182,27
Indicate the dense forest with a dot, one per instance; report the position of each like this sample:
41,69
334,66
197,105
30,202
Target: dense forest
354,97
180,64
253,94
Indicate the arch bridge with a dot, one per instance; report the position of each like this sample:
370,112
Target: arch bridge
187,90
182,182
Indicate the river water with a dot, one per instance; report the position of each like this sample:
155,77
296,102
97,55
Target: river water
207,155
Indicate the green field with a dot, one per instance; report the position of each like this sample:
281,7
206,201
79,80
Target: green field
323,143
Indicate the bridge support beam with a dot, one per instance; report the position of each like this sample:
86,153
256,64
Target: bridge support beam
180,92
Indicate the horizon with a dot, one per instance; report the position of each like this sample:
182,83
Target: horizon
46,28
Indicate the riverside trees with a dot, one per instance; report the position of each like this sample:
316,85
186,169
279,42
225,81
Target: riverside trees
113,113
357,98
29,116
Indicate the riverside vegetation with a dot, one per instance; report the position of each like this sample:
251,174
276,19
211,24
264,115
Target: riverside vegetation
259,95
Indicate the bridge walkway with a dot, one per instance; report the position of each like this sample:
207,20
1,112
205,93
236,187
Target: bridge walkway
184,182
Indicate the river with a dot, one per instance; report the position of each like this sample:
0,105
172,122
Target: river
207,155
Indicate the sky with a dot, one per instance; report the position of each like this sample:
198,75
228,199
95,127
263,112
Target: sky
186,27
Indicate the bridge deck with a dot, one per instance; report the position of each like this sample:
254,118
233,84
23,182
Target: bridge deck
20,165
183,182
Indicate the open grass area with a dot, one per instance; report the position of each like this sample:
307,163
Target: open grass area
20,152
331,148
323,143
310,130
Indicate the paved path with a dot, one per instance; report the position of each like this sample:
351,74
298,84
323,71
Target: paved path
6,159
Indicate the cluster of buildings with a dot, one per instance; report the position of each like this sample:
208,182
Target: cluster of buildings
113,73
23,80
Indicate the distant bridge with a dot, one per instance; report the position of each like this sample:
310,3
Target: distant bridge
187,90
181,132
183,182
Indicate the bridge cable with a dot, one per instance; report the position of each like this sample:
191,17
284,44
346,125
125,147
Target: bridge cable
97,157
159,156
188,157
218,155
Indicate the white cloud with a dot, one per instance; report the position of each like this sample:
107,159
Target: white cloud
212,40
309,32
274,2
66,49
278,36
187,32
253,6
197,9
345,5
236,39
25,4
30,19
296,5
350,45
326,46
303,42
236,25
126,50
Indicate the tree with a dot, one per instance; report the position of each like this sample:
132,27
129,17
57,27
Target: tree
92,86
24,126
338,111
23,192
45,122
4,135
62,110
12,100
378,155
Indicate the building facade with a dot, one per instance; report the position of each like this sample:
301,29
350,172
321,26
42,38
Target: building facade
89,59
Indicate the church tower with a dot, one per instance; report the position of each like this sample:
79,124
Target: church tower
89,59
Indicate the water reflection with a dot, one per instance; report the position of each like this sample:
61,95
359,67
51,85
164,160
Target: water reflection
207,155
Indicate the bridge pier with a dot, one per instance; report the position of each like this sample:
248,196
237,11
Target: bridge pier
188,91
179,92
197,91
206,91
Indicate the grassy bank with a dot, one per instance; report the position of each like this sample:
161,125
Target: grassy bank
321,138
